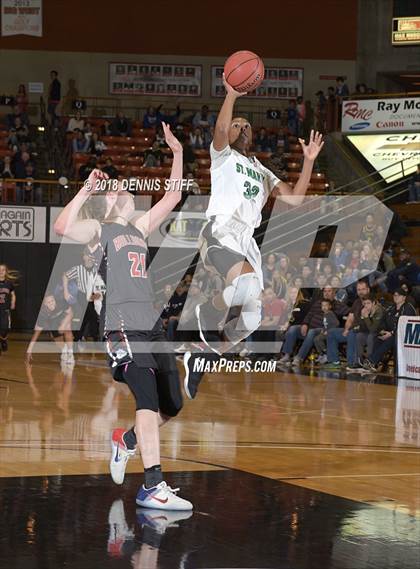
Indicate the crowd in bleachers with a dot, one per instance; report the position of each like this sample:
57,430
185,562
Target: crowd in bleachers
350,319
18,150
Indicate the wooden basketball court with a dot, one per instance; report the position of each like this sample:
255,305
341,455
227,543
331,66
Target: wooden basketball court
324,470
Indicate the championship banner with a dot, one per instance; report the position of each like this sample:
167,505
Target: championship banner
155,79
21,17
279,83
22,224
376,115
409,347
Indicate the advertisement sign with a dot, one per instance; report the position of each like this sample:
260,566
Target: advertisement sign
387,151
155,79
409,347
21,18
279,83
376,115
22,224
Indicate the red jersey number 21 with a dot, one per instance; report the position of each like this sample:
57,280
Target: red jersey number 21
138,264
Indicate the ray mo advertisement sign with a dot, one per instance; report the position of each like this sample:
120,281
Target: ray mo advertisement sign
387,150
375,115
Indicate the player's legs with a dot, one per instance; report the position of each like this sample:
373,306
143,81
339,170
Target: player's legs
4,329
67,338
155,493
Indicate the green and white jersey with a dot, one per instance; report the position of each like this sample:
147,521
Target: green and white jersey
240,186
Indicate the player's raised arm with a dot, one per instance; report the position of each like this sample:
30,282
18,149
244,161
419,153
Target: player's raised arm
68,224
224,119
148,222
295,196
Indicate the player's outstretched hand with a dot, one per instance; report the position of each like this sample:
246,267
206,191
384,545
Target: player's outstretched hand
314,147
170,139
230,89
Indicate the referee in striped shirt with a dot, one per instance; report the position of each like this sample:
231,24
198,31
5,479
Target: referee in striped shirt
84,275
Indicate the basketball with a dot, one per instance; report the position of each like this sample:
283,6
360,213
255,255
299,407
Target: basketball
244,71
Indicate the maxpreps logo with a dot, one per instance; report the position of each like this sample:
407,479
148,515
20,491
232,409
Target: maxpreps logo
412,334
16,223
355,111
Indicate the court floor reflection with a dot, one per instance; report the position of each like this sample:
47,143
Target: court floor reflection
239,520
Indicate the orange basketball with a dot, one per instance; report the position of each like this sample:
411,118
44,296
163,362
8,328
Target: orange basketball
244,71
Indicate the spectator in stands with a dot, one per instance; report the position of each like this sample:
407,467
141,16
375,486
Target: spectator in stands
110,169
11,117
361,89
160,137
69,98
329,321
406,270
76,123
121,125
208,137
331,114
79,143
272,312
176,302
279,284
190,159
22,102
386,338
371,317
54,97
86,169
311,326
96,145
153,157
414,187
152,118
339,258
203,118
292,118
341,89
196,139
18,134
105,129
296,308
338,336
320,111
6,170
340,292
268,268
369,230
301,115
33,191
19,163
262,143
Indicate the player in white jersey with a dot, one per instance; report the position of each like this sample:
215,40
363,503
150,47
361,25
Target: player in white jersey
240,186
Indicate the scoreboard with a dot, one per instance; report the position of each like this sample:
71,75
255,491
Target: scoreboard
406,31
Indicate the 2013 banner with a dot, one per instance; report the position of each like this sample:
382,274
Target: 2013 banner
21,17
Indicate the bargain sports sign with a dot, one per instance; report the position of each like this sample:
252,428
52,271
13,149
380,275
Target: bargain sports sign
381,115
